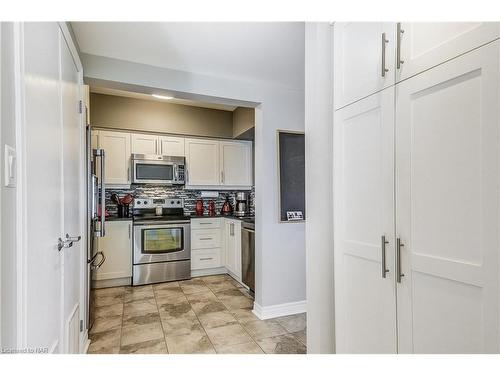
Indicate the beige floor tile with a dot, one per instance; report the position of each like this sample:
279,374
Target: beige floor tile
186,324
105,342
193,343
147,347
214,278
207,295
244,315
301,336
235,303
231,334
245,348
260,329
108,311
193,286
108,300
141,333
139,293
138,320
169,285
221,285
106,324
140,307
174,310
205,307
292,323
106,292
170,297
284,344
217,319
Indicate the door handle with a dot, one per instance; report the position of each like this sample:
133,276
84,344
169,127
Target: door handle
73,239
384,269
102,198
91,261
63,244
399,34
399,274
384,42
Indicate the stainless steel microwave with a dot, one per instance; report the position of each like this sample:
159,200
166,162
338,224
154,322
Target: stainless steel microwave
158,169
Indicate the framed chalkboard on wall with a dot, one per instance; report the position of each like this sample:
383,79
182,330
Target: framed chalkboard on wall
291,174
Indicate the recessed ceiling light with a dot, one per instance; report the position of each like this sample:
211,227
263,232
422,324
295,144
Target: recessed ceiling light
162,97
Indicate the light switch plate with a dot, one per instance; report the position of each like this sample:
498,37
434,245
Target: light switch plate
10,167
209,194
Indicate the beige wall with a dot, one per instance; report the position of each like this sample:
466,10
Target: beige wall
243,120
146,115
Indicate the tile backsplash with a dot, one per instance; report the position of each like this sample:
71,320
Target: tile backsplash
189,196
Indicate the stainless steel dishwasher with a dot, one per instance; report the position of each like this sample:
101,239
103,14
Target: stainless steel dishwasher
248,253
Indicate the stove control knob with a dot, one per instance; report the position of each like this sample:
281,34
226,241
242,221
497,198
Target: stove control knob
171,202
178,202
138,202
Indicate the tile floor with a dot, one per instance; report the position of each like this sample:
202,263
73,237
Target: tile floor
211,314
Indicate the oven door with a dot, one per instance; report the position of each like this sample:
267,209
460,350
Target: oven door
153,172
161,242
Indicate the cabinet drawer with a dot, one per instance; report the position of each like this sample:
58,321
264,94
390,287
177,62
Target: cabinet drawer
205,223
206,258
205,238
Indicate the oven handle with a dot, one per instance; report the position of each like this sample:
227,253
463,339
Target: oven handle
173,224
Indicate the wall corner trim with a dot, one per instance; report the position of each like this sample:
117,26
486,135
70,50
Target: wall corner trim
275,311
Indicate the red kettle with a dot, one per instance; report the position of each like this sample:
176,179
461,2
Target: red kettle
227,209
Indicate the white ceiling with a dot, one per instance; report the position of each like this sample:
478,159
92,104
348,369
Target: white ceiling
143,96
271,52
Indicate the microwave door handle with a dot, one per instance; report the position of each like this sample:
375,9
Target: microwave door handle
176,173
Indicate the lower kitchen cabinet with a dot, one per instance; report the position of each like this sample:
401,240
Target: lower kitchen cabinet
117,248
206,249
232,247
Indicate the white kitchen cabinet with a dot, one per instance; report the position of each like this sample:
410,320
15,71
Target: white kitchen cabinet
117,160
206,244
365,302
171,146
441,292
232,247
363,59
203,162
447,173
236,163
117,248
424,45
144,144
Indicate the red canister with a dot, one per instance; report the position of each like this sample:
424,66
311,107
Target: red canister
211,208
199,207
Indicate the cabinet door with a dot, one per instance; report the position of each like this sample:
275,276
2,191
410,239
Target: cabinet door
117,162
365,304
117,248
203,164
230,246
171,146
145,144
448,206
427,44
363,63
236,163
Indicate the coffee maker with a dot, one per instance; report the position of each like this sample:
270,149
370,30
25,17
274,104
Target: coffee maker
241,204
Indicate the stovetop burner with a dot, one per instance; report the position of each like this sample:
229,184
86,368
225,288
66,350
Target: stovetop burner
146,209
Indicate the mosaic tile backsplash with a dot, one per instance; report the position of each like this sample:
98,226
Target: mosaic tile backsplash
189,196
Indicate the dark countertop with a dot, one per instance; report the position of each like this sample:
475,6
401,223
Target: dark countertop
116,218
194,216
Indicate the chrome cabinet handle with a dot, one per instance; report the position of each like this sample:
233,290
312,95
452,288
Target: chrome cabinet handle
384,42
222,176
206,238
206,258
96,266
232,229
399,274
399,34
384,269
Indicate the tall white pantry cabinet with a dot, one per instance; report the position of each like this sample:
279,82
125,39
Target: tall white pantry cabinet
416,188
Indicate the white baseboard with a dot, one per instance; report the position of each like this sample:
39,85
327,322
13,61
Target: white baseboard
85,343
208,272
275,311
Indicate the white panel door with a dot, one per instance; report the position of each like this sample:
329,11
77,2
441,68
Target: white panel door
230,246
236,163
117,161
359,59
171,146
203,164
427,44
448,206
365,305
145,144
73,149
43,187
117,247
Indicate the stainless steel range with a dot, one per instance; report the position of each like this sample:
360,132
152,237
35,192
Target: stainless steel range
162,241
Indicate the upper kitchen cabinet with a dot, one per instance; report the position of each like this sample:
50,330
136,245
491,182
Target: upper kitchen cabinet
145,144
421,46
203,164
116,146
364,59
171,146
236,163
157,145
218,164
